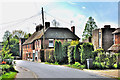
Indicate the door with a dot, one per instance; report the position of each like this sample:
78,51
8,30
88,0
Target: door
33,56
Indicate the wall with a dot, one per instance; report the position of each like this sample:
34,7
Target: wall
107,38
117,38
95,38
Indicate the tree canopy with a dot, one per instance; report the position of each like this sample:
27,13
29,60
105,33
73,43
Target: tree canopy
89,27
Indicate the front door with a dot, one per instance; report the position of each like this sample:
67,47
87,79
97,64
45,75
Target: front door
33,56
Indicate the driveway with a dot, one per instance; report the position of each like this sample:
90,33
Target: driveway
55,71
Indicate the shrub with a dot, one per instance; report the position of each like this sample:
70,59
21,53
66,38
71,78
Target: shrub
64,51
77,53
74,42
82,66
86,51
56,49
115,66
77,64
70,54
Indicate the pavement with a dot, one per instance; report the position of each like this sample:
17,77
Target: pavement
111,73
24,73
42,70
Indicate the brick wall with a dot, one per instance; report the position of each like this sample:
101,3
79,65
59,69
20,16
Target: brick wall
117,38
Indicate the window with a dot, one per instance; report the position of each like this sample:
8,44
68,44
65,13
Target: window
99,39
114,38
51,43
69,39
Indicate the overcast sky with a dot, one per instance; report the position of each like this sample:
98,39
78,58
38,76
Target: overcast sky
25,15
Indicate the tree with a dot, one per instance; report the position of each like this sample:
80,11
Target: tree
27,35
18,34
6,35
89,27
55,23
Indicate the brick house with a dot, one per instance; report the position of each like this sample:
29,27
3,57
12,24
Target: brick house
34,44
103,38
21,41
116,38
115,48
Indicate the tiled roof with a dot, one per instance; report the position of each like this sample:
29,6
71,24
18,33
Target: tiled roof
115,47
116,31
52,33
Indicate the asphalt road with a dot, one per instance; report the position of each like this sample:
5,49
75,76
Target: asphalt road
54,71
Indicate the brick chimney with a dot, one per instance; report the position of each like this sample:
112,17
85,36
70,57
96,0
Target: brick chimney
47,24
107,26
39,27
73,29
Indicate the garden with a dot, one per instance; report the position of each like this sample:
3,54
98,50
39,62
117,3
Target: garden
74,54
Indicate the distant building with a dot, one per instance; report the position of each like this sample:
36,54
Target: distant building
33,45
103,38
116,39
21,41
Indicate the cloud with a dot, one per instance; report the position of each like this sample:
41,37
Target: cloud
83,7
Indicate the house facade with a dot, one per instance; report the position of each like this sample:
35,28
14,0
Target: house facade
33,46
103,38
21,41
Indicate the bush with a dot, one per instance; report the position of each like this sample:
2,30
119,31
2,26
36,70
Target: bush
77,64
70,54
86,51
82,66
115,66
64,51
77,53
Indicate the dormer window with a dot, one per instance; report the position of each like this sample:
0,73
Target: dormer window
51,43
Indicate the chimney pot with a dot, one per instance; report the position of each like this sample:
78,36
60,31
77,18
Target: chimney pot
47,24
107,26
73,29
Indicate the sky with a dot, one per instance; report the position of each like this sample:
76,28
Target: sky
25,15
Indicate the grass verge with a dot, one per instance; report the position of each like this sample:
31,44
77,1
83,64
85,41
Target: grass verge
8,76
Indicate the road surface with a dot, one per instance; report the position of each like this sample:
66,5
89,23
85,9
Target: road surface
55,71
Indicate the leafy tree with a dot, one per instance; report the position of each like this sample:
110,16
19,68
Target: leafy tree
27,35
55,23
6,35
56,53
18,33
89,27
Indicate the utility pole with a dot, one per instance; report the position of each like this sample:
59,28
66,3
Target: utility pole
43,28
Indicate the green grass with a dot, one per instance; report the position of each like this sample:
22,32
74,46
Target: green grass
8,76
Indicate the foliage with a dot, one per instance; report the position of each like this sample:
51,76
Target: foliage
77,53
60,52
56,53
18,34
27,35
51,57
70,54
55,23
74,42
64,51
10,75
89,27
6,35
86,51
77,65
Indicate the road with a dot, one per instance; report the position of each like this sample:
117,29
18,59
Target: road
53,71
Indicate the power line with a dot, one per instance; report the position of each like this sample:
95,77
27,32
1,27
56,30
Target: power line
19,20
23,21
57,18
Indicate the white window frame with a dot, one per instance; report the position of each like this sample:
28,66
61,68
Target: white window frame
99,37
51,44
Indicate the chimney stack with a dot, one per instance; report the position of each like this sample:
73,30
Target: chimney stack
39,27
107,26
73,29
47,24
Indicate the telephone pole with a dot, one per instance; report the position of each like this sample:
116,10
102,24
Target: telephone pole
43,28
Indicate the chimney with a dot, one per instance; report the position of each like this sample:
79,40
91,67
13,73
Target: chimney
39,27
107,26
47,24
73,29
